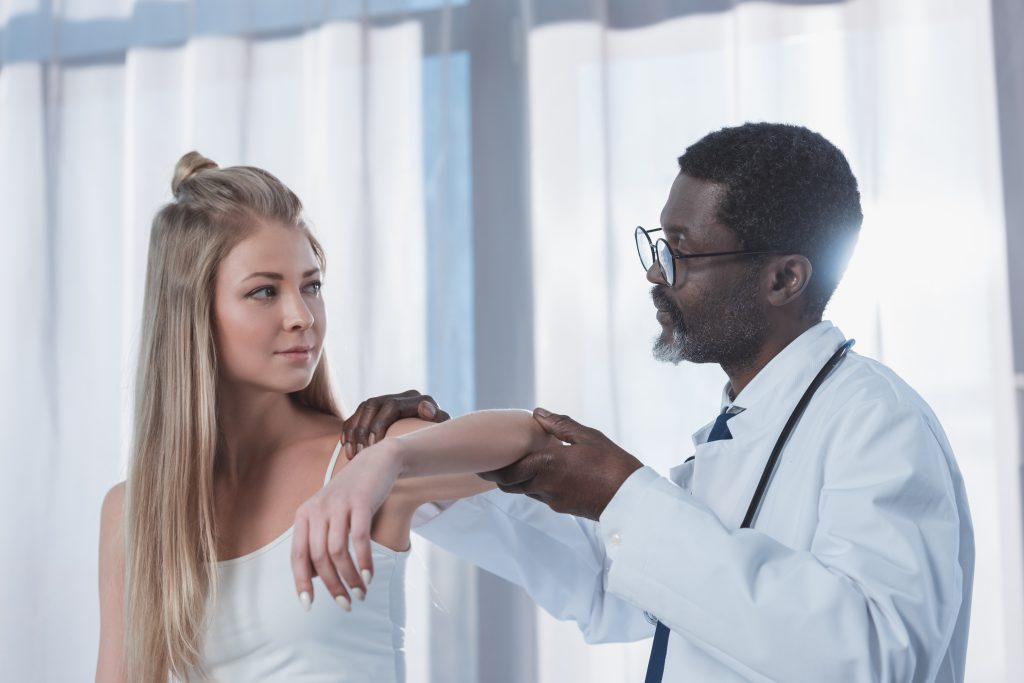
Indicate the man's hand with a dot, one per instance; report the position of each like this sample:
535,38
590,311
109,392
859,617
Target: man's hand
579,478
370,422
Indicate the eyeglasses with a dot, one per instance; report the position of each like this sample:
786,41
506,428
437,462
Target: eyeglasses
659,252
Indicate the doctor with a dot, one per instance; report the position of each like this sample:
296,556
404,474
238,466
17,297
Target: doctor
818,532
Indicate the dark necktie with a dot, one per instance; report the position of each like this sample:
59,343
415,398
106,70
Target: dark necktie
656,665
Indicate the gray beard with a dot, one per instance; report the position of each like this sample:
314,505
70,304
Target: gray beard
669,350
731,338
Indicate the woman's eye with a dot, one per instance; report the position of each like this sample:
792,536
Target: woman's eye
256,293
315,286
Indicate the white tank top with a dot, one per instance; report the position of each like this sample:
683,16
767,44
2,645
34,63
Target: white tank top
258,630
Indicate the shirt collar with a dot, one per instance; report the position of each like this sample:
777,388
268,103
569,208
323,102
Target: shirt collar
780,383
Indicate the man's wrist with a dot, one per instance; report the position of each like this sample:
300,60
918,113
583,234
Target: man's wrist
627,471
616,510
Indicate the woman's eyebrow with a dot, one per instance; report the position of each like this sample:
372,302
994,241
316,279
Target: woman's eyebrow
278,276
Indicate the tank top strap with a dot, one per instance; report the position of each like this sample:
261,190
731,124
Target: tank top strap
334,460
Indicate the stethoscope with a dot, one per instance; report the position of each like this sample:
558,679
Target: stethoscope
794,417
780,443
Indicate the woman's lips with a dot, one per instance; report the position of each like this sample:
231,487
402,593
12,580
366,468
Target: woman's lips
296,355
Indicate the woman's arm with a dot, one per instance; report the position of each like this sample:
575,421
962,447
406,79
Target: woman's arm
343,510
477,442
412,492
110,665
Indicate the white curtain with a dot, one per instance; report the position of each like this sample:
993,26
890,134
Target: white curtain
87,147
363,107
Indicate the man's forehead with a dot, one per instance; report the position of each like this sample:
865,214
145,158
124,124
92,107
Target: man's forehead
692,205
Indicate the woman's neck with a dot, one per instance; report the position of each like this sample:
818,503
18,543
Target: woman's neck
254,425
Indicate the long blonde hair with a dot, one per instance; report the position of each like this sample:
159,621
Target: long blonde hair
170,524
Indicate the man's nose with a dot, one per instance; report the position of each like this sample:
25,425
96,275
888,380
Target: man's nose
654,275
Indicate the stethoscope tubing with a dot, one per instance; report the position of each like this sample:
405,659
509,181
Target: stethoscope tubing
776,454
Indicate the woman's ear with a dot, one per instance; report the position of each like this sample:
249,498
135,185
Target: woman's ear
789,277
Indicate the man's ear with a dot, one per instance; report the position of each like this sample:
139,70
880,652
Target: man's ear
789,276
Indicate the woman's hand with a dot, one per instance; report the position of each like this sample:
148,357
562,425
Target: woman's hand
340,511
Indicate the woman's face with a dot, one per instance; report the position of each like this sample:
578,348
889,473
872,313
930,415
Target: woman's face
269,319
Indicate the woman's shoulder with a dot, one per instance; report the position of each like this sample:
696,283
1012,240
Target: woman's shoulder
112,522
113,504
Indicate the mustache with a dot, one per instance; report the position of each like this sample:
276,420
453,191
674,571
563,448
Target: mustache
659,293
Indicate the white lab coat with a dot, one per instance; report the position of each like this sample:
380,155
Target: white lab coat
859,566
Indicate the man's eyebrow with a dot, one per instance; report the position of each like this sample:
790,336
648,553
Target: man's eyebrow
675,231
278,276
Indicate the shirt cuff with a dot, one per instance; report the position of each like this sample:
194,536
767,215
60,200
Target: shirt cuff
620,508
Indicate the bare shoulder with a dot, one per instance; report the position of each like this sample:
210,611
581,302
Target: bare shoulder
110,661
113,507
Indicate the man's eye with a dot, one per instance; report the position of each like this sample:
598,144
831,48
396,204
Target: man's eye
256,293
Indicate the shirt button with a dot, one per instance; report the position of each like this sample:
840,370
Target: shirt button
615,539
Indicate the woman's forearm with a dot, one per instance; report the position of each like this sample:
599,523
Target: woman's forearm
477,442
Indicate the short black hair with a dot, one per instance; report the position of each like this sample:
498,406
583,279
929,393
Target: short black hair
786,188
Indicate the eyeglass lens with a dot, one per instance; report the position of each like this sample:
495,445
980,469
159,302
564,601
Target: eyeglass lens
666,262
644,248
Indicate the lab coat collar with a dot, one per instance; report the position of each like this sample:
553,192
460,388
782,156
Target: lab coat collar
779,384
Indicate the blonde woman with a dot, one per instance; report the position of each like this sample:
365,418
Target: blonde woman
236,426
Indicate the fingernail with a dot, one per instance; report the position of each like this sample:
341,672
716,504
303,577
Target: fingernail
305,600
541,412
372,440
358,592
343,603
367,576
429,409
359,448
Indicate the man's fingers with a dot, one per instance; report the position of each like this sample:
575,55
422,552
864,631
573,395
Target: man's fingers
426,409
522,470
348,429
561,427
361,431
389,413
302,568
523,488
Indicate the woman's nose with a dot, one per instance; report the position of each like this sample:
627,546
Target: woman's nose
298,315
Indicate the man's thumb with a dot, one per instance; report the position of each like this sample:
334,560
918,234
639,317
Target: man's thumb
559,426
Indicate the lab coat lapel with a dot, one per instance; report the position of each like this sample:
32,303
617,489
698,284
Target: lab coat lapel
726,472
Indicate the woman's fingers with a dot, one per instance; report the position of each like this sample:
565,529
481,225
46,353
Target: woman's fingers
324,565
361,520
341,558
302,568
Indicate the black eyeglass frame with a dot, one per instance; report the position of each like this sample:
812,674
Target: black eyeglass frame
682,257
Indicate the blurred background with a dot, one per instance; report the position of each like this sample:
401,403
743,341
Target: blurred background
475,171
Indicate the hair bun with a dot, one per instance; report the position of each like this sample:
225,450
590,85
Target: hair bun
187,166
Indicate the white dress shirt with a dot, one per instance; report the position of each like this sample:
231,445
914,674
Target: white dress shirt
859,566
